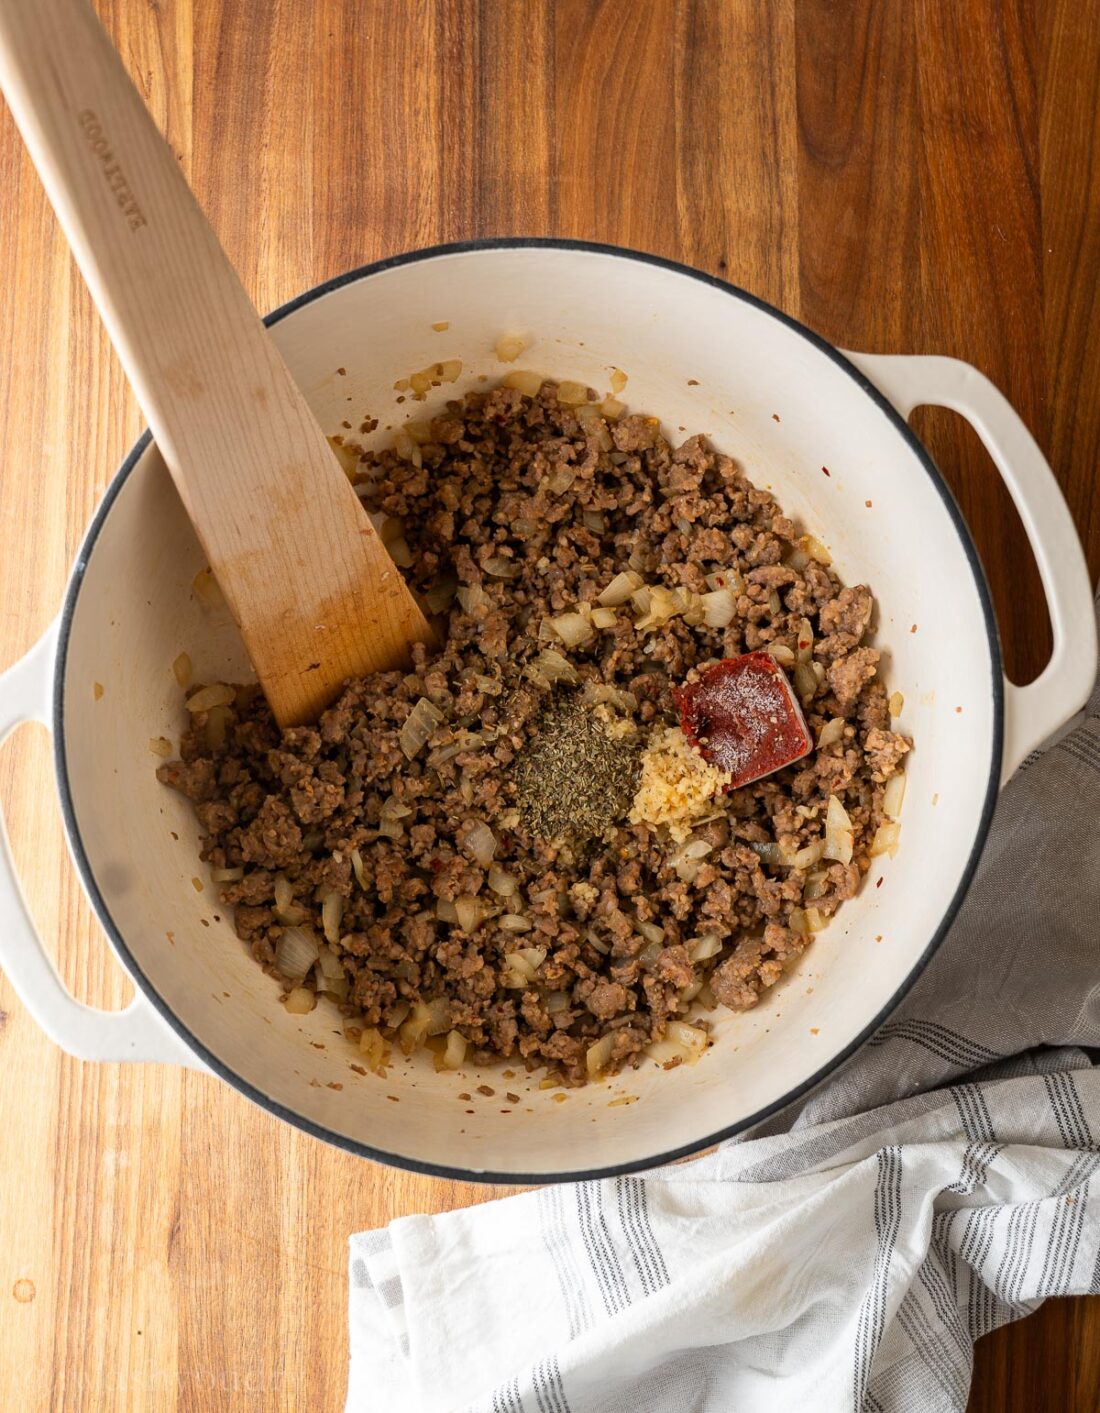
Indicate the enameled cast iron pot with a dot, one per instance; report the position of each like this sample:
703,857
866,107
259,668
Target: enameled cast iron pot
771,394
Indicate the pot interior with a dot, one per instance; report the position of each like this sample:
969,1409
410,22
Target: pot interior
702,360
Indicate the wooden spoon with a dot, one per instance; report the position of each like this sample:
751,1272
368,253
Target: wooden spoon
307,579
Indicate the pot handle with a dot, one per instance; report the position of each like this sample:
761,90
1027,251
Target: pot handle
135,1033
1035,712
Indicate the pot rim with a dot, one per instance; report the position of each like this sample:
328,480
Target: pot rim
580,1174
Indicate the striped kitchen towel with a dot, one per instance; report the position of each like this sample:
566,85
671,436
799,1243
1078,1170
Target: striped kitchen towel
848,1253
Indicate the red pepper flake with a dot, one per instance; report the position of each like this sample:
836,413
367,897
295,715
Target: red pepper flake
357,1068
393,1099
879,883
879,937
775,416
814,1030
867,503
693,382
742,716
958,711
913,629
826,470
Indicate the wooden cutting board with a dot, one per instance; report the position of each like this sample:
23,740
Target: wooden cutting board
902,177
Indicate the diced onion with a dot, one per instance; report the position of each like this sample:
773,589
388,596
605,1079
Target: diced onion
769,853
663,605
498,566
598,1056
815,549
816,885
398,550
469,912
839,833
593,938
805,680
574,629
618,380
500,881
649,953
593,520
218,694
690,1037
521,966
651,932
295,952
831,732
805,920
896,704
612,408
726,579
804,649
407,450
413,1032
886,840
550,667
372,1047
604,618
206,589
893,796
705,947
439,1016
440,596
802,858
775,603
445,910
286,909
418,727
470,597
217,723
560,479
300,1001
181,669
481,844
508,349
160,746
358,868
331,976
455,1052
556,1001
572,394
782,654
226,875
686,859
515,922
522,380
332,910
719,608
620,588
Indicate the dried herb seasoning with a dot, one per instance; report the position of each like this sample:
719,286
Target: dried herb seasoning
575,781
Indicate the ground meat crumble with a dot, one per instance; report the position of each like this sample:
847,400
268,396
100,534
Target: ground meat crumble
532,508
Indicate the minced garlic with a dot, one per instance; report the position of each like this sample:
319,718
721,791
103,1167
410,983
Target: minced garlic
677,784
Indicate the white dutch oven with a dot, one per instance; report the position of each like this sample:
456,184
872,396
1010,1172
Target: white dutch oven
771,394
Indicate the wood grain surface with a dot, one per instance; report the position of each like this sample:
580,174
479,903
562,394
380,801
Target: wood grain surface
917,176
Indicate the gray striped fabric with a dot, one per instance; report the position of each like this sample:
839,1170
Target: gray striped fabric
848,1253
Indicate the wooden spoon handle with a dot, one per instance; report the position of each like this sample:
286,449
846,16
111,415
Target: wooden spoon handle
304,574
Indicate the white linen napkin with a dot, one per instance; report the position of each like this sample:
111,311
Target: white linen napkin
847,1255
